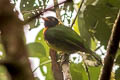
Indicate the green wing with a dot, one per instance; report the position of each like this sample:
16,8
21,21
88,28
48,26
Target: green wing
64,39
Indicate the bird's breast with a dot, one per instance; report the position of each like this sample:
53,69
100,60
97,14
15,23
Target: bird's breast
46,37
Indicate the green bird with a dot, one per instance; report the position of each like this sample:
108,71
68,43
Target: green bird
64,39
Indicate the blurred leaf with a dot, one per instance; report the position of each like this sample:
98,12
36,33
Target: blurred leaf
3,74
40,39
36,49
67,12
34,24
93,44
99,22
112,76
2,51
69,5
117,74
89,2
84,32
29,8
27,15
75,26
43,64
118,57
115,3
36,78
118,52
49,74
78,72
2,48
28,5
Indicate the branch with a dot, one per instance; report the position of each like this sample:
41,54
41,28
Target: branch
56,68
66,67
111,50
65,64
17,63
41,64
57,10
41,12
57,71
77,13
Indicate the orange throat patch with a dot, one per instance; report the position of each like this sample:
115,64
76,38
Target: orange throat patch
45,29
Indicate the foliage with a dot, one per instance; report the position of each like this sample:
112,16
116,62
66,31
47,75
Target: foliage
3,73
93,24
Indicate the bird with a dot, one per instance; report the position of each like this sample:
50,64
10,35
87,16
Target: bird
64,39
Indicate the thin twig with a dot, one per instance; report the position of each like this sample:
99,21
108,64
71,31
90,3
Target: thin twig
41,12
85,64
111,50
87,70
77,13
46,62
57,10
98,48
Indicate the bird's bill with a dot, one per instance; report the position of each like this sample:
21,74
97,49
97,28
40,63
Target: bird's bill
45,19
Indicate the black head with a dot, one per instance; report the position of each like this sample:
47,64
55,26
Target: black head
50,21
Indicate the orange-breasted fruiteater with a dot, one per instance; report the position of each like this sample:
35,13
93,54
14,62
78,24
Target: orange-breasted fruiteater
64,39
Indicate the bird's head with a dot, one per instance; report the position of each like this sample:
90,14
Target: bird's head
50,21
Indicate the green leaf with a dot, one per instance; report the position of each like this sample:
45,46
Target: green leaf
49,74
28,5
94,72
36,78
36,49
115,3
99,22
69,5
67,12
93,44
84,32
3,73
29,8
40,39
117,74
118,57
75,26
118,60
89,2
78,72
2,48
34,23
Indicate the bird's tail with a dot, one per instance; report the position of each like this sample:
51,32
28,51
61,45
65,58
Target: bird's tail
95,56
